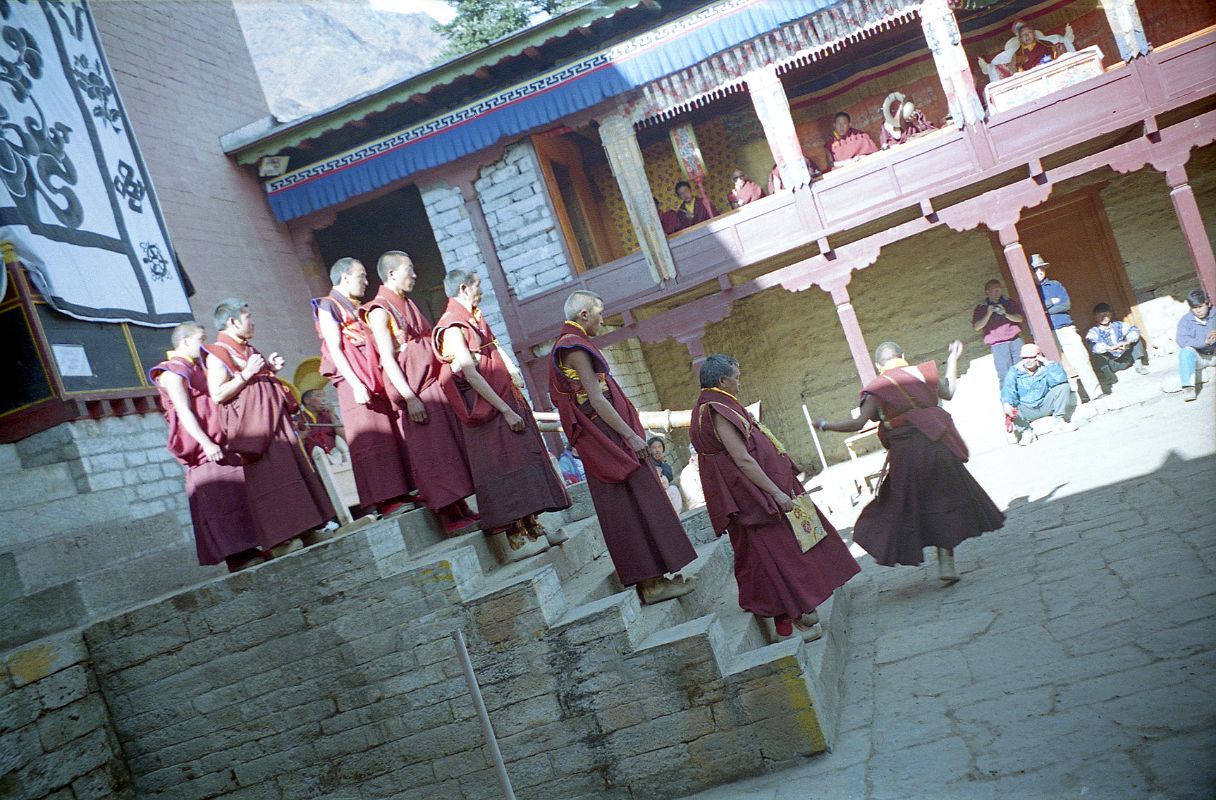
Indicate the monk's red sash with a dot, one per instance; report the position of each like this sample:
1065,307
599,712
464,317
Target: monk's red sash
235,354
355,339
906,400
481,343
415,350
603,456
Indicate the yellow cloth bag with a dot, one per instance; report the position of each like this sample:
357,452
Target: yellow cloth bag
808,530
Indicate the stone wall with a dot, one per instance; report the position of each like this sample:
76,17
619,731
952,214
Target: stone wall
629,367
526,235
186,78
56,740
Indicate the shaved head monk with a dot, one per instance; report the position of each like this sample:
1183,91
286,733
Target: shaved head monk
215,480
285,496
511,469
642,531
348,358
410,371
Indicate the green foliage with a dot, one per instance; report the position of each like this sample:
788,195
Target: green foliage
480,22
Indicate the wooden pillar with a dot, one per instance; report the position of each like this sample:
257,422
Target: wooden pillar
1028,292
1125,25
773,109
1193,229
953,69
852,333
625,158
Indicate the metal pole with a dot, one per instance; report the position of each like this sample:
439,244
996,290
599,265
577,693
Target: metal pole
823,462
504,780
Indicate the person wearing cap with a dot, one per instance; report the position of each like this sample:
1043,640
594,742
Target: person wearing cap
1033,389
1115,345
1058,305
1196,338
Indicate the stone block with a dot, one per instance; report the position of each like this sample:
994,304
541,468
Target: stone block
37,485
64,687
128,583
105,783
74,720
36,522
18,748
40,614
583,507
58,769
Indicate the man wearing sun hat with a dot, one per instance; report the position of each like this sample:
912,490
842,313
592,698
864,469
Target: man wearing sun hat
1057,304
1035,388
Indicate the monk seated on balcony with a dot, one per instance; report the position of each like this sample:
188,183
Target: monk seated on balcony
692,209
745,190
901,121
847,143
776,183
670,220
1032,51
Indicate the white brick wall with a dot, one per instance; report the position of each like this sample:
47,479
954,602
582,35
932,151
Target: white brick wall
630,370
526,235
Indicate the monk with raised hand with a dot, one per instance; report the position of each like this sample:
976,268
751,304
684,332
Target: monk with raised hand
410,370
378,454
215,480
285,496
750,484
512,472
644,535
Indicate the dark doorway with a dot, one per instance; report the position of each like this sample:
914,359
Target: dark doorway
396,221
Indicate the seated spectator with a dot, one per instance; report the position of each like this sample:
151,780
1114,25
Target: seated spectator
658,460
320,431
847,143
1036,388
1115,346
670,220
776,183
745,190
571,466
692,209
1196,338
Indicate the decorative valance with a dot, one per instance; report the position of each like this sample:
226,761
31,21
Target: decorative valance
665,50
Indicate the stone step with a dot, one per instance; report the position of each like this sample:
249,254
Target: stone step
60,559
10,459
31,523
36,486
140,580
33,616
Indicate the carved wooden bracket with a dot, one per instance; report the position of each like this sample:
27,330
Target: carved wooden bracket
1000,208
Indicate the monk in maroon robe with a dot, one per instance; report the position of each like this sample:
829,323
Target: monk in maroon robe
410,371
692,210
928,498
643,532
215,479
745,190
847,143
512,472
285,496
378,455
749,482
1031,51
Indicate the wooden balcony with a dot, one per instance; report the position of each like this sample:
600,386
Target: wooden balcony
937,167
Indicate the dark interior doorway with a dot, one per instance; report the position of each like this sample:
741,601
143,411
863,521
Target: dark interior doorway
396,221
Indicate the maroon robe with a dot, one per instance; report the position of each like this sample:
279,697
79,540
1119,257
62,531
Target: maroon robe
643,532
702,210
324,435
1030,57
285,495
378,454
928,498
219,511
512,473
671,222
853,143
749,192
775,577
436,447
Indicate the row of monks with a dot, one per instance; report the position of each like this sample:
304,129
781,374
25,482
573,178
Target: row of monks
436,415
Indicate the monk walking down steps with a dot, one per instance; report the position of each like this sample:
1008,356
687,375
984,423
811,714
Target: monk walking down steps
927,497
643,533
512,473
788,557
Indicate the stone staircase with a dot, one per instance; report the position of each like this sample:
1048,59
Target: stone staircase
69,554
336,664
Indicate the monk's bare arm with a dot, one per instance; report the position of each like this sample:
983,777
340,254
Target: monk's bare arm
462,361
175,387
580,362
378,321
736,448
948,382
223,388
868,413
333,343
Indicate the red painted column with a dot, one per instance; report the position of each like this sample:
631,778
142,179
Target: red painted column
1028,293
852,333
1197,242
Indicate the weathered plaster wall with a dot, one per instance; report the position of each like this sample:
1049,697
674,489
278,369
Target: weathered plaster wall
181,97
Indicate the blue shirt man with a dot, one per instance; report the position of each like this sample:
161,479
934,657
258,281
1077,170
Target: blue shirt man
1054,295
1036,388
